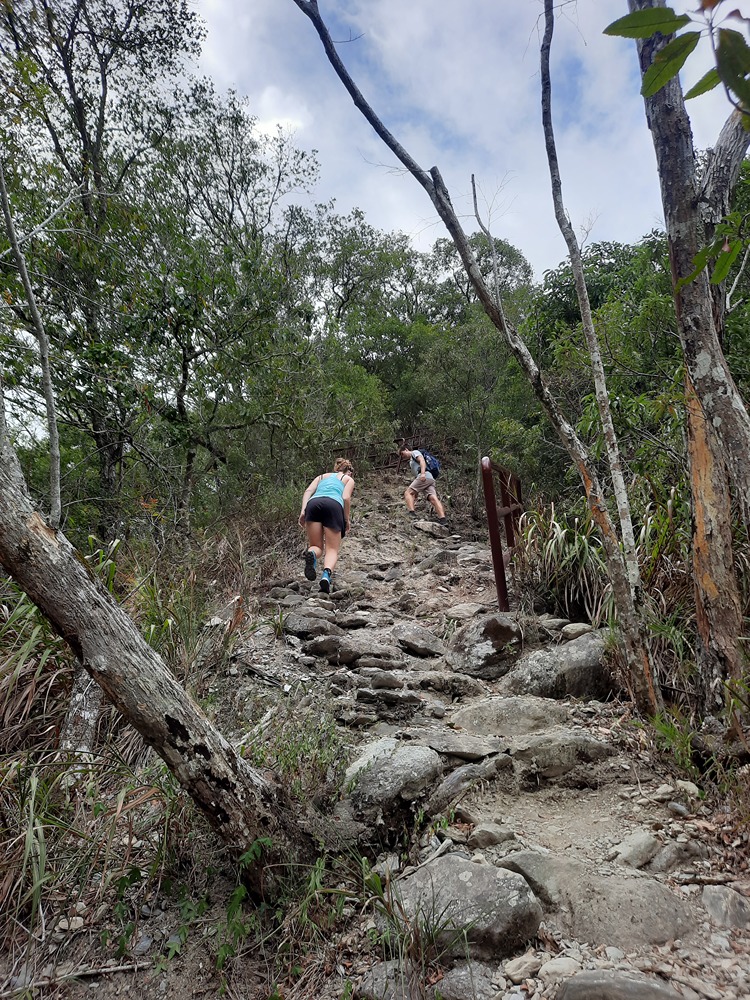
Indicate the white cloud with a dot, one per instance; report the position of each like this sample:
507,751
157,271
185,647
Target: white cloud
458,83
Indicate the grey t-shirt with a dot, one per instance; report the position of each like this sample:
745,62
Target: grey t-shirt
414,463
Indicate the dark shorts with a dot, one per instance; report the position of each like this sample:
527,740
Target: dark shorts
328,512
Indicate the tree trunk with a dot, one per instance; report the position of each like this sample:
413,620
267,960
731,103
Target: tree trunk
240,803
78,733
717,420
587,320
718,607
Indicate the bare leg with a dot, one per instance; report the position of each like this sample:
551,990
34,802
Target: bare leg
439,509
332,545
410,497
314,532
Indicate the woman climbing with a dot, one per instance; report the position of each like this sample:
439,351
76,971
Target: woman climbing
325,518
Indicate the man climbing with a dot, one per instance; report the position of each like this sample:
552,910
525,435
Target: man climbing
423,484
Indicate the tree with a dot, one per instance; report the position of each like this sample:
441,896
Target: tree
88,72
717,419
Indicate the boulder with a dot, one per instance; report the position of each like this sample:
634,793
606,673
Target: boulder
389,775
470,909
417,640
598,984
627,912
487,647
512,716
575,669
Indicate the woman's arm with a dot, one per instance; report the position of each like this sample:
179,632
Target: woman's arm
348,490
305,497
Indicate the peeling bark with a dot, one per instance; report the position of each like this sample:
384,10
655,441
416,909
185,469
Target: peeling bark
718,607
718,423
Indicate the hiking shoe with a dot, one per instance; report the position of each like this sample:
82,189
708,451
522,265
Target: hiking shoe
325,581
411,513
310,565
442,520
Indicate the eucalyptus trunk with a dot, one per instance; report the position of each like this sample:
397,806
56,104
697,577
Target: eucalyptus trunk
718,424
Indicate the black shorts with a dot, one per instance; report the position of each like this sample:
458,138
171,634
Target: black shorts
328,512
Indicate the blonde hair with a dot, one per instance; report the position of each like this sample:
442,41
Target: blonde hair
343,465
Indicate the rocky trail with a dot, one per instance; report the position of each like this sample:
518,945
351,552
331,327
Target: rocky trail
558,856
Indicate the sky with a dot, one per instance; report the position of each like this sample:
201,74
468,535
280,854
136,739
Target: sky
457,82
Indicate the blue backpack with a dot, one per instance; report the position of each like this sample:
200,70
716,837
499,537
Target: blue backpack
432,464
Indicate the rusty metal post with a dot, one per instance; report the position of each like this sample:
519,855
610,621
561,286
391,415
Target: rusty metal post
493,524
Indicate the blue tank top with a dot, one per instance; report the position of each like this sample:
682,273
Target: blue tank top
332,487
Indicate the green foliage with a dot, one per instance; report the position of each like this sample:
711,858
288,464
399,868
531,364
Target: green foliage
731,51
305,752
560,558
674,736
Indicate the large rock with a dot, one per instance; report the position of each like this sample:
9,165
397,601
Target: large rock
726,907
625,912
402,980
418,640
349,648
389,775
512,716
605,985
469,909
574,669
306,626
452,744
554,753
487,647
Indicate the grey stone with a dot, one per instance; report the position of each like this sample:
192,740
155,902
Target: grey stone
575,669
574,630
627,911
726,907
512,716
559,968
487,647
606,985
471,981
455,744
418,640
637,849
487,834
471,909
463,612
675,854
389,774
388,696
525,967
555,753
353,620
352,648
306,626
